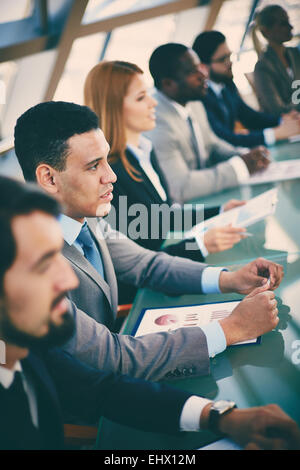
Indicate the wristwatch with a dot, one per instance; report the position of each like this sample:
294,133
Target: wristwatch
218,409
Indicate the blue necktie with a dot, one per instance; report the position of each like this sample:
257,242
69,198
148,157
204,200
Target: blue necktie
90,250
194,142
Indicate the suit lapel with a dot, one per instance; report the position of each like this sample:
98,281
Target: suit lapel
170,114
278,65
49,409
111,285
163,181
147,183
76,258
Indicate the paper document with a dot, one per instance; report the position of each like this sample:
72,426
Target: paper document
253,211
294,138
277,171
154,320
222,444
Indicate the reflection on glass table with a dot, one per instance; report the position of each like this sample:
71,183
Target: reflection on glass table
250,375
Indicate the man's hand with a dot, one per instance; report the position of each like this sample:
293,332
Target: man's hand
222,238
257,159
250,276
292,115
255,315
266,427
288,128
232,203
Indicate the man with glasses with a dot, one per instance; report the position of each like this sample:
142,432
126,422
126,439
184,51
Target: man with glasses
224,105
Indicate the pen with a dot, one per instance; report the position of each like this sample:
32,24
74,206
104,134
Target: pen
246,234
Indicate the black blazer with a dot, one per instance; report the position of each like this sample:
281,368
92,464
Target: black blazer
144,192
223,114
64,384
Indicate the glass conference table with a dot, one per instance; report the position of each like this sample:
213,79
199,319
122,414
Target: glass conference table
250,375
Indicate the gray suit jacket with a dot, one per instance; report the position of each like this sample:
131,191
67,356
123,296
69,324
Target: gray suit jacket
181,353
171,139
273,85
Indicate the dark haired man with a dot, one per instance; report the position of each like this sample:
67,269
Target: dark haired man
186,147
72,166
39,382
224,105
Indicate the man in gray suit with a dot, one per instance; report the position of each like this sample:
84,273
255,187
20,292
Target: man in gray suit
60,146
195,162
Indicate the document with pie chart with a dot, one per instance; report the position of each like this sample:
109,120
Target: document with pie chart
154,320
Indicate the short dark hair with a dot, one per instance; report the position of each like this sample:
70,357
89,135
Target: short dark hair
17,198
164,61
42,132
206,44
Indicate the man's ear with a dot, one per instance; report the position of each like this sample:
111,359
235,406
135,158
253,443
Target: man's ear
45,176
169,86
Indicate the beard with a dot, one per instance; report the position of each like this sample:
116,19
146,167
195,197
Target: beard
220,77
57,334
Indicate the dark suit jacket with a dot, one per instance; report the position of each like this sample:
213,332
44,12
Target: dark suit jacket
66,385
223,113
144,192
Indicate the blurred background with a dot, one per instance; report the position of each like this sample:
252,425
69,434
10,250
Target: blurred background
47,47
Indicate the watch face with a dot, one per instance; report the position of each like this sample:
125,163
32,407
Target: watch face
223,405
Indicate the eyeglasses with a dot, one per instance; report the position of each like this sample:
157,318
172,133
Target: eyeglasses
225,58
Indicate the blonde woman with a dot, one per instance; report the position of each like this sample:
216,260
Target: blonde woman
278,66
117,92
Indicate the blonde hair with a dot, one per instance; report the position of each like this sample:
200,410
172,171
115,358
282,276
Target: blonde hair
263,19
105,88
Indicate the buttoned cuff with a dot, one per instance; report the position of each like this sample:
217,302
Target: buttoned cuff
240,169
210,280
269,136
191,412
215,338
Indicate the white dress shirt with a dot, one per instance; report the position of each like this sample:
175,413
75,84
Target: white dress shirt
143,155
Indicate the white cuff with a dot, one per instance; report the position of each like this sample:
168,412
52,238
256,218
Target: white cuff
269,136
240,169
191,412
210,280
215,338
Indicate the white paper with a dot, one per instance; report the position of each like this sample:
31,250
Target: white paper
222,444
156,320
294,138
254,210
277,171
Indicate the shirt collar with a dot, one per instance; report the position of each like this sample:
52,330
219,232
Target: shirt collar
7,375
216,87
70,228
182,110
143,150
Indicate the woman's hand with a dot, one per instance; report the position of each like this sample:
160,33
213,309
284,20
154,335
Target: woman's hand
222,238
232,203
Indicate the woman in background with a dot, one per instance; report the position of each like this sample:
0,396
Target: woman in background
117,93
278,66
